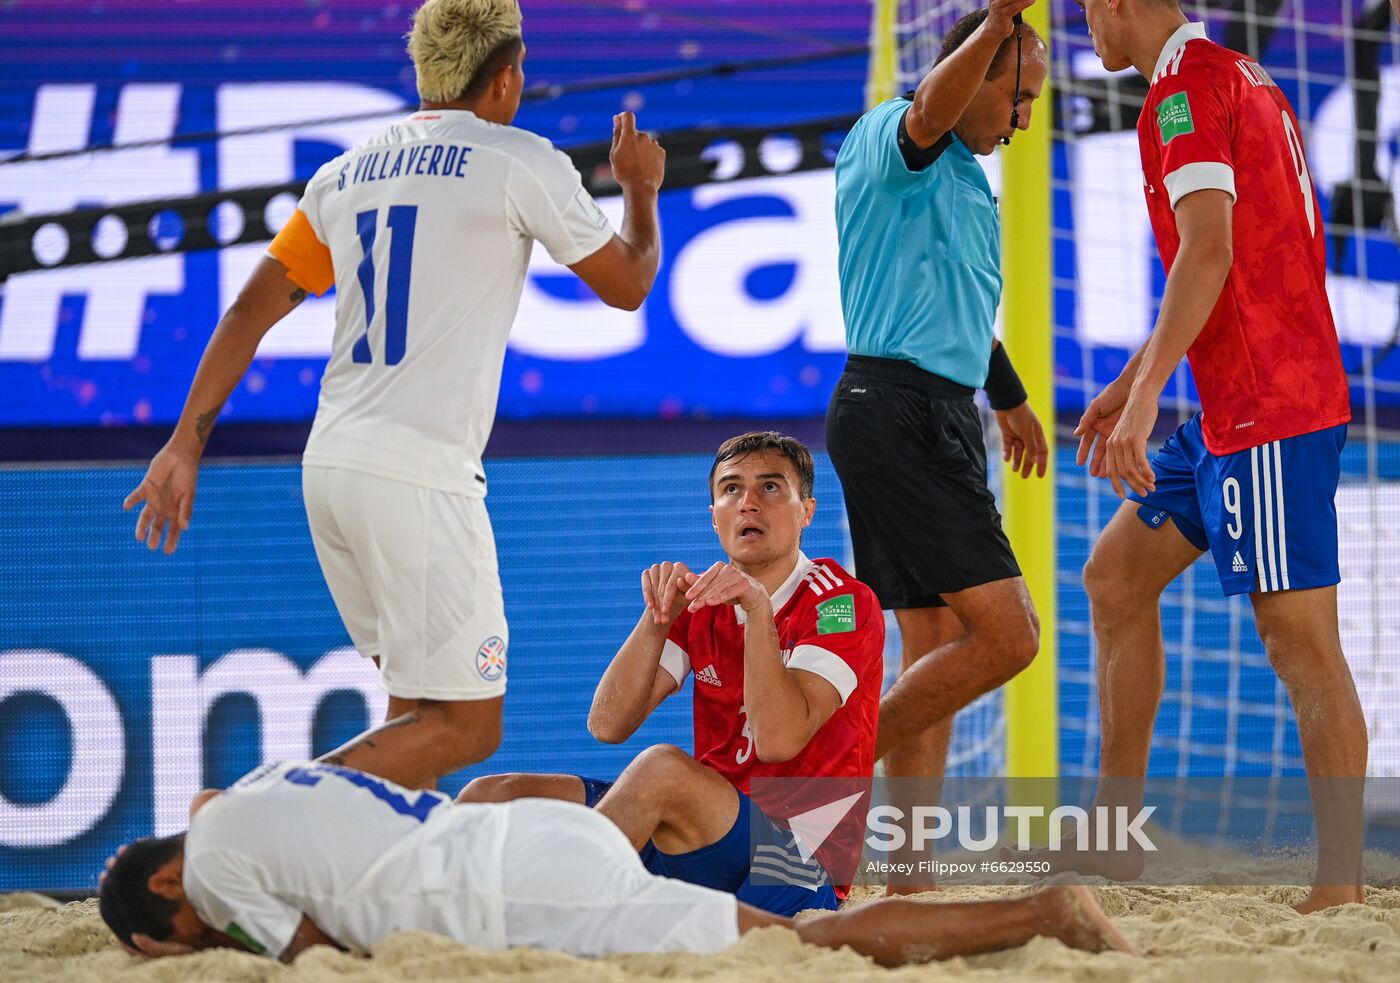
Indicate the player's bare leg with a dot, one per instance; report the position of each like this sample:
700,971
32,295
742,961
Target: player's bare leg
1300,635
1001,638
422,740
517,785
1131,565
668,797
925,755
896,931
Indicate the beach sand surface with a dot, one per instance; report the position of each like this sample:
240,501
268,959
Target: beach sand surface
1186,935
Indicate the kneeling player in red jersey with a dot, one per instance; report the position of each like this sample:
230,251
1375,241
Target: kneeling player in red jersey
787,655
1252,477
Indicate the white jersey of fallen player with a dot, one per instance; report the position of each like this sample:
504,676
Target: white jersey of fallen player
430,227
361,857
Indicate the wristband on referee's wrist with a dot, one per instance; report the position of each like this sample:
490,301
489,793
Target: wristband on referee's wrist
1004,389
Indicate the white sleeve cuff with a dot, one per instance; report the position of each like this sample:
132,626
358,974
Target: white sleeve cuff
828,665
1200,176
675,661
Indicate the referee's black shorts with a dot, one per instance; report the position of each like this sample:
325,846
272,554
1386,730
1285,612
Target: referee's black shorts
907,446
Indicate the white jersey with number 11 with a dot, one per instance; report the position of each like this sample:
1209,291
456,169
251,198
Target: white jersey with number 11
425,231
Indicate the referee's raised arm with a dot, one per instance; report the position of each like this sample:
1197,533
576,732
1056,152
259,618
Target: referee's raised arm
946,90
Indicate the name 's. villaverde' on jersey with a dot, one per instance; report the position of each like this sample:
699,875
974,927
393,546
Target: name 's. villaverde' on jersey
425,231
432,160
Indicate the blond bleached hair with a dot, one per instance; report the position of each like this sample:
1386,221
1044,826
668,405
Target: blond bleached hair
451,40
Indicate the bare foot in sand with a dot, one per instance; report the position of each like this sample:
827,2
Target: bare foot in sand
1326,896
1066,856
1076,919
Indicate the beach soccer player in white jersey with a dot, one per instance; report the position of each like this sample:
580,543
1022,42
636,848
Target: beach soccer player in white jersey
425,231
302,853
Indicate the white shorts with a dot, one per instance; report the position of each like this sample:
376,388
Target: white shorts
413,574
571,881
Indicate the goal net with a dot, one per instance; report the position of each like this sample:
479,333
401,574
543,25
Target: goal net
1224,712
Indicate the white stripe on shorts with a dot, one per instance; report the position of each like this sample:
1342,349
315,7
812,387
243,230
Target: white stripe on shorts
1282,533
1270,547
1258,523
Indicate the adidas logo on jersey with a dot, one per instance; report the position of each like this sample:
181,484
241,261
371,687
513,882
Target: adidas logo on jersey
1238,565
821,579
708,675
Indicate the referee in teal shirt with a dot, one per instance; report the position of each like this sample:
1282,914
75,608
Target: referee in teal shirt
920,267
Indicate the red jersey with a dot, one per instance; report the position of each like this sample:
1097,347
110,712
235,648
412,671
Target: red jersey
828,623
1267,363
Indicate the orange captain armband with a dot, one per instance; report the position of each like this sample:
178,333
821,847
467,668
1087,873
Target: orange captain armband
307,260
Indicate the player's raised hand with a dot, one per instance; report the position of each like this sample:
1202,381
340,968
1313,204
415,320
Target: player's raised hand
638,161
663,590
1023,441
725,583
1000,14
166,497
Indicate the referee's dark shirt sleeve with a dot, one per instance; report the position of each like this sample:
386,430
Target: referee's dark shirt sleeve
918,158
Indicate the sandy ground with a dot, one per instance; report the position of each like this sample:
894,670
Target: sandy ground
1187,934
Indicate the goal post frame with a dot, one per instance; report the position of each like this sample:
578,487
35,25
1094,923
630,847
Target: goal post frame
883,66
1027,303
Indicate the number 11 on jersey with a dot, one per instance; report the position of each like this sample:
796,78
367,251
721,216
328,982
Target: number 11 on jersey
402,222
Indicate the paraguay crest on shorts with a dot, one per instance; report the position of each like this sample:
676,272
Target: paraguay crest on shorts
491,659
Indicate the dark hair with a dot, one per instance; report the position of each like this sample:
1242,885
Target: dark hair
126,903
768,440
963,29
500,56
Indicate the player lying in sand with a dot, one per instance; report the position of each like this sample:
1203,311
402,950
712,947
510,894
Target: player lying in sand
301,853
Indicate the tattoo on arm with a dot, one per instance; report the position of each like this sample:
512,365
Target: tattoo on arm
403,720
205,423
297,295
340,756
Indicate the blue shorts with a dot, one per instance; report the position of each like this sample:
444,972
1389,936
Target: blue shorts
778,880
1267,514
